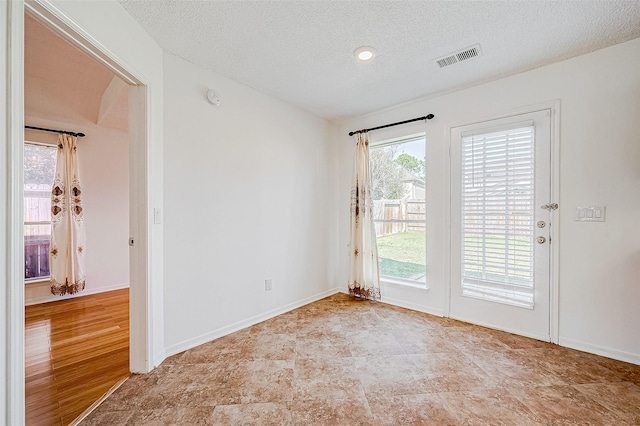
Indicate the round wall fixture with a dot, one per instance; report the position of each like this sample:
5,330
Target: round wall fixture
213,97
364,53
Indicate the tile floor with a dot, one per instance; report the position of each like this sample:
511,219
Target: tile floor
341,361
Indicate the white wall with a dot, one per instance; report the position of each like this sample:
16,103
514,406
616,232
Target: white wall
103,156
599,165
249,190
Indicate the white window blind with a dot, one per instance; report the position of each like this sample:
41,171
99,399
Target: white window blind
498,215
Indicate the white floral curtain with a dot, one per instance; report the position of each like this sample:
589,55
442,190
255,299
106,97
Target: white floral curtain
364,277
66,256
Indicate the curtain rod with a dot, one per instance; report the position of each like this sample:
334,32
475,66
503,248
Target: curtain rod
79,135
426,117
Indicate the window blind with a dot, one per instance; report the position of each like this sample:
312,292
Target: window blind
498,215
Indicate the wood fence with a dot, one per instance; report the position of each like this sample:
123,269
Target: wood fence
37,208
399,210
36,256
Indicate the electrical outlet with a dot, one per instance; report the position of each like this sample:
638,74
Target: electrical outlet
268,284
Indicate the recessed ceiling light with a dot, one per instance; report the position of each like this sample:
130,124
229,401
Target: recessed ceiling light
365,53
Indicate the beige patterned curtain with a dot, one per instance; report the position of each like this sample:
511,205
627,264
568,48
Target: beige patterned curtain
66,257
364,277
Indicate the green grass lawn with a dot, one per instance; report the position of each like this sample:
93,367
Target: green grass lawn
402,255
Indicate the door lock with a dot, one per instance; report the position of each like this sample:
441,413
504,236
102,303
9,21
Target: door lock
541,240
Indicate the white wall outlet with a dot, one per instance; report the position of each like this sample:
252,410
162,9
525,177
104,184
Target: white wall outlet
591,214
268,284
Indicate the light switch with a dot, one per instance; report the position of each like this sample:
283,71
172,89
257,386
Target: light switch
590,214
157,216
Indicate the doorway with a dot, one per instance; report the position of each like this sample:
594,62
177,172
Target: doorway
145,134
502,223
76,346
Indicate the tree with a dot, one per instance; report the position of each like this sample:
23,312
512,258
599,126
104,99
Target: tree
39,164
386,175
411,164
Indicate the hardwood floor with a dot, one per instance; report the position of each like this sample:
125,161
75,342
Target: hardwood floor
75,351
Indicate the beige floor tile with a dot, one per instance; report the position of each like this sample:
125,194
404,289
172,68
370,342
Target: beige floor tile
171,416
395,375
565,405
371,342
103,417
488,407
269,346
326,378
322,345
416,341
341,361
622,398
425,409
260,414
353,412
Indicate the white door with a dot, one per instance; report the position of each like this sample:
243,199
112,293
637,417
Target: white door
500,230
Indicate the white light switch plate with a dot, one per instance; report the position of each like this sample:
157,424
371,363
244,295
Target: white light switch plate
157,215
591,214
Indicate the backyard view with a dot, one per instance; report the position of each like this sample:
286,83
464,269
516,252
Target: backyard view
401,255
399,209
39,169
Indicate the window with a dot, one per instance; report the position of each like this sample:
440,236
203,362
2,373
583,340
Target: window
399,208
39,170
498,215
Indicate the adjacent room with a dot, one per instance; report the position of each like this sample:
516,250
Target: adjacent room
328,213
76,339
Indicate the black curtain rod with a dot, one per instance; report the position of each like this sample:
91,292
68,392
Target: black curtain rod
79,135
426,117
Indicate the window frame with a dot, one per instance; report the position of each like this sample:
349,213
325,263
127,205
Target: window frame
397,281
45,278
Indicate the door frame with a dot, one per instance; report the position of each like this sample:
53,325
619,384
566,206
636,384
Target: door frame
554,107
141,316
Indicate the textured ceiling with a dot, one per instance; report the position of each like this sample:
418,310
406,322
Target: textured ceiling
302,51
63,84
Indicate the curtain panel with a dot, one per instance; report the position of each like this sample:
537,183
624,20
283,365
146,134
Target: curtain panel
66,255
364,277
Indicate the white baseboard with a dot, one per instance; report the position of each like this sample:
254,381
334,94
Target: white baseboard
600,350
53,298
414,307
500,328
407,305
159,358
232,328
563,341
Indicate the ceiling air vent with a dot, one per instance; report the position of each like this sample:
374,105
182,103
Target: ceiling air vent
462,55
